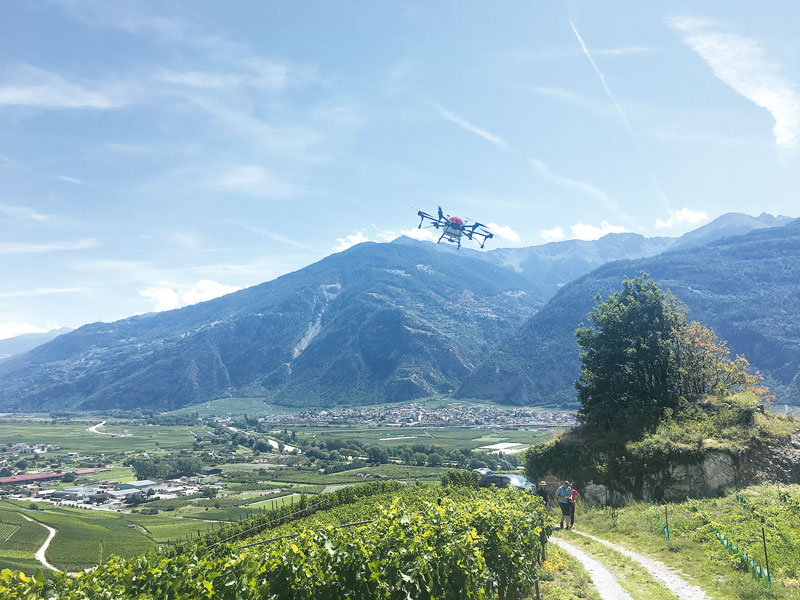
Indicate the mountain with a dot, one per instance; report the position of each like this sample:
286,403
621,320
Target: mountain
728,225
27,341
552,265
377,322
747,288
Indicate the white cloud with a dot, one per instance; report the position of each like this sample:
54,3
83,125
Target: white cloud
684,216
69,179
15,328
566,182
168,298
422,235
552,235
464,124
622,50
45,292
30,248
29,86
262,231
566,52
23,213
584,231
562,94
503,231
349,241
257,73
128,148
384,235
185,239
741,63
256,181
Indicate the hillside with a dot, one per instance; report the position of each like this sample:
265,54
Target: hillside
379,322
318,335
27,341
747,288
415,542
376,323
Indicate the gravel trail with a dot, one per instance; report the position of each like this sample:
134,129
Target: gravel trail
670,578
93,429
604,581
43,548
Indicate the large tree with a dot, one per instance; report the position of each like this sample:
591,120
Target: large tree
640,358
643,370
626,377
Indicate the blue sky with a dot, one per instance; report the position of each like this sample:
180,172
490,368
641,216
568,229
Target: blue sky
155,154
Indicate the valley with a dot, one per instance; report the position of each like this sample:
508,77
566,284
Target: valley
249,465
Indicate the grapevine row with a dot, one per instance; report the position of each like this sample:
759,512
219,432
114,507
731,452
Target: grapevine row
476,544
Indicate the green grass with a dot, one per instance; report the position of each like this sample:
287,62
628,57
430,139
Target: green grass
445,437
74,437
694,549
394,472
17,551
631,576
255,407
564,578
164,529
118,474
85,537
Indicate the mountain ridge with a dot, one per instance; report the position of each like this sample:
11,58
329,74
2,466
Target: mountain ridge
376,323
759,317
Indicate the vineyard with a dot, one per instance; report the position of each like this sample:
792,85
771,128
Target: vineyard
414,542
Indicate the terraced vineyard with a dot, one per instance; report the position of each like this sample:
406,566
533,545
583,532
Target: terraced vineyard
416,542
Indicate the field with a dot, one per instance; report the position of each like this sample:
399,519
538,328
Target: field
717,561
255,407
397,542
445,437
19,540
246,488
74,437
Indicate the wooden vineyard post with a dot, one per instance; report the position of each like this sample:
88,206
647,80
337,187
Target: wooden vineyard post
666,521
766,558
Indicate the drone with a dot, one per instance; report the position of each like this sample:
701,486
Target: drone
454,228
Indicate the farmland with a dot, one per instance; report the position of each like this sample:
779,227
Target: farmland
262,466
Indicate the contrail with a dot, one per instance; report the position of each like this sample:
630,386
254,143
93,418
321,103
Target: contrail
605,86
662,196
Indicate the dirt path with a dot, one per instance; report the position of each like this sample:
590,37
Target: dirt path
93,429
670,578
603,580
43,548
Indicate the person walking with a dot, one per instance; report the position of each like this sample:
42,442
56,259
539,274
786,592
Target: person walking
542,493
564,497
573,501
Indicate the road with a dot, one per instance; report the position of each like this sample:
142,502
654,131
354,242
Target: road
93,429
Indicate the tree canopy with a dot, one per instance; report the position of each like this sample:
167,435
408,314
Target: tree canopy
641,357
644,371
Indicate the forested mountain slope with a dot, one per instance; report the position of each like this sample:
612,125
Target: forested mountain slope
745,287
377,322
